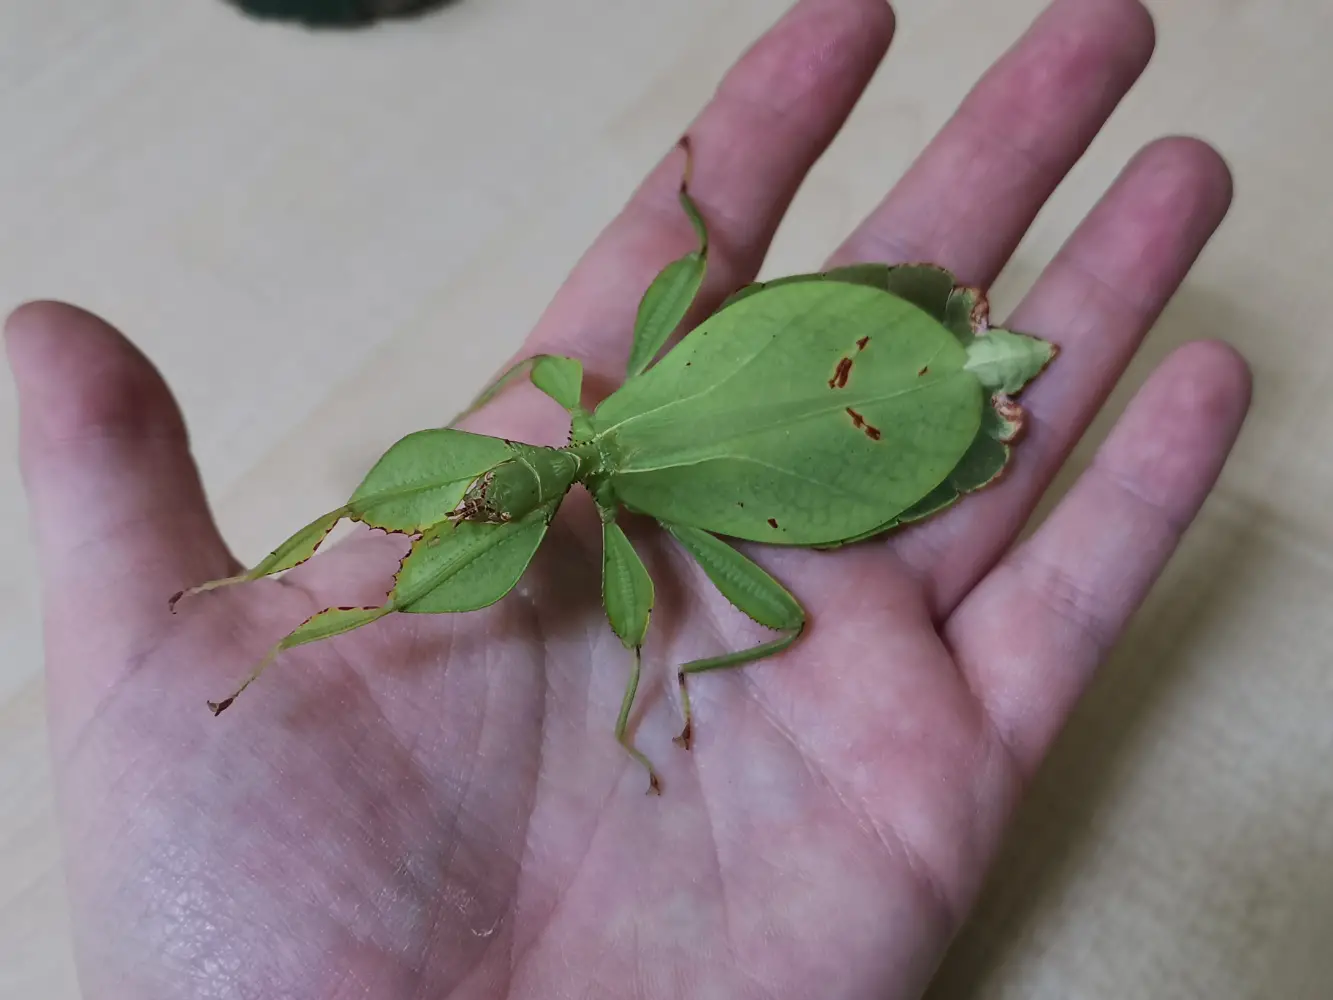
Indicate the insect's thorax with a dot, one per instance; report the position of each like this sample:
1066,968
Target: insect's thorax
515,488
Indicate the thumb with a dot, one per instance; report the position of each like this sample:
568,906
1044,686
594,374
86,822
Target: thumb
116,505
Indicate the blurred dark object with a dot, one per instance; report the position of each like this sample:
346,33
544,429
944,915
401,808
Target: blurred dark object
334,13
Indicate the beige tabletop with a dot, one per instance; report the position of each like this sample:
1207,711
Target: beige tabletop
282,220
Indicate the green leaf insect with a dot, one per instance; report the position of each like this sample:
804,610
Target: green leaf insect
814,410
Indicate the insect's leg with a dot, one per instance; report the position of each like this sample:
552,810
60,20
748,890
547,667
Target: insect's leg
752,591
627,594
559,377
654,785
294,551
673,291
324,625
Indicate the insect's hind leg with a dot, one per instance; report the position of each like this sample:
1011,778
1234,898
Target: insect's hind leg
654,785
719,662
751,590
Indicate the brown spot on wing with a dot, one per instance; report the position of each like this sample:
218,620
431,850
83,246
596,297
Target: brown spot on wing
839,379
861,344
859,422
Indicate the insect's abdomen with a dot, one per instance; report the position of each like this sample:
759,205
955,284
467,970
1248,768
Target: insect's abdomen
803,415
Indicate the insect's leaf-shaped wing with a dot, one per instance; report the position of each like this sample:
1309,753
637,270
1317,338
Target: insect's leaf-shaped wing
926,286
967,313
805,414
627,589
423,477
980,465
468,565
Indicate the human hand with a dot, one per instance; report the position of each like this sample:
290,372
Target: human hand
435,806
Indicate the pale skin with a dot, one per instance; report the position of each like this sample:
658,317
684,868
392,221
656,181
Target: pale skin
433,807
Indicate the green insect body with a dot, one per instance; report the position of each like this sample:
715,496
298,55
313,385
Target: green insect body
814,410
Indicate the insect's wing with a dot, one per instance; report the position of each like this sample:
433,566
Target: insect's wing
924,285
983,463
1004,364
801,415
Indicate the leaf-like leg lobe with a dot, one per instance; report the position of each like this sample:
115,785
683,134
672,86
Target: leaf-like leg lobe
752,591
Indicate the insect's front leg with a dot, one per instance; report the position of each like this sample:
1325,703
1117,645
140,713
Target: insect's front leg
559,377
668,299
751,590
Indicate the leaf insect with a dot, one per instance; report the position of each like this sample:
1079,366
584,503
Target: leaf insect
814,410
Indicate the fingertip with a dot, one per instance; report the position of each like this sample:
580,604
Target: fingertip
1091,44
1139,26
1129,24
1179,430
1189,166
78,376
1212,381
115,499
37,320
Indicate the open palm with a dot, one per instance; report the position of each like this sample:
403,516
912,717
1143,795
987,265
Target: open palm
435,806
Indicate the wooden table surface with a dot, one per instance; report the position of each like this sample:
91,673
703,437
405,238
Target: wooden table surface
289,223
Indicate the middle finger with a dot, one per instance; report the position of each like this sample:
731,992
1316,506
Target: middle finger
969,198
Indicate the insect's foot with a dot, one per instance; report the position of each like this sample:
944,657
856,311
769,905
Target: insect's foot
218,707
686,736
654,786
